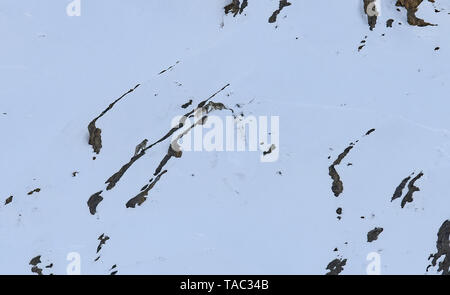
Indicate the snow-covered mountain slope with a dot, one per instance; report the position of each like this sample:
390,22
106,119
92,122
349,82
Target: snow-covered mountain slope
363,108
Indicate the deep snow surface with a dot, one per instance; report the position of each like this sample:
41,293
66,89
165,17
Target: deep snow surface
222,212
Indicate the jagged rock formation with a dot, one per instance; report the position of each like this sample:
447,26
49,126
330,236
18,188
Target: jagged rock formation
411,190
399,190
95,134
93,202
95,137
142,196
411,8
372,13
236,7
338,187
283,4
336,266
443,249
34,263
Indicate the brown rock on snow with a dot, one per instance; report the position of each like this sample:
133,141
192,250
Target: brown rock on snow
411,8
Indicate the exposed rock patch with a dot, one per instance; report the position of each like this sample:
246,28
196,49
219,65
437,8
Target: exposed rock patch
112,181
102,238
389,23
338,187
95,137
93,202
443,249
113,270
142,196
336,266
187,104
34,191
283,4
372,13
270,150
399,190
34,263
411,190
411,9
8,200
373,234
170,153
235,7
370,131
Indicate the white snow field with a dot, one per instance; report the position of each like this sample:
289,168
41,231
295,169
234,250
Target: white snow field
223,212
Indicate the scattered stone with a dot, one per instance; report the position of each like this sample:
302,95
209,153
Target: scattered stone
8,200
373,234
34,191
389,23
